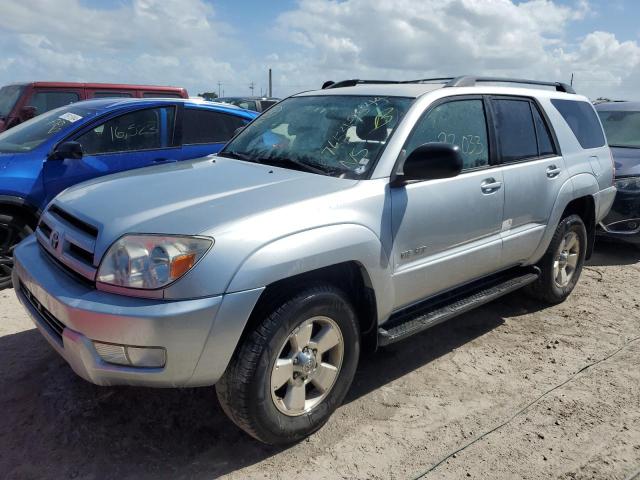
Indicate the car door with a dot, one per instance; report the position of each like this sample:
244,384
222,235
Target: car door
447,232
205,131
126,141
533,174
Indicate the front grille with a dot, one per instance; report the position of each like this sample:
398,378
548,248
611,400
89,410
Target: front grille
69,240
55,326
76,222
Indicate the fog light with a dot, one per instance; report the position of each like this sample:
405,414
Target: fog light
147,357
112,353
131,356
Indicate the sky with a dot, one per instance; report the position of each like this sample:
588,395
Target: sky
226,45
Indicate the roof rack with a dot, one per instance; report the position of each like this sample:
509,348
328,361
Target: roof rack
463,81
356,81
470,81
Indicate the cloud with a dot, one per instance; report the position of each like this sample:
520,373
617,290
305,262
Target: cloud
187,43
145,41
405,39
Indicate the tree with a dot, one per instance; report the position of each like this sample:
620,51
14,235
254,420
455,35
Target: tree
208,95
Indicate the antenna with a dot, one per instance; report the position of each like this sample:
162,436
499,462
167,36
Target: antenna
252,85
571,80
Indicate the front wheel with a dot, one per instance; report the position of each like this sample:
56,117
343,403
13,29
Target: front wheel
13,229
294,370
562,263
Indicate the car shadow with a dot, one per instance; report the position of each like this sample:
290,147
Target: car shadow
56,425
609,253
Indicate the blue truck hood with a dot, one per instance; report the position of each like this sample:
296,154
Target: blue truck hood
202,196
627,161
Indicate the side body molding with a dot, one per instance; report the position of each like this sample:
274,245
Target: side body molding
317,248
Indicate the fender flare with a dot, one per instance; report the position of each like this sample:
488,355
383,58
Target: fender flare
21,203
316,248
581,185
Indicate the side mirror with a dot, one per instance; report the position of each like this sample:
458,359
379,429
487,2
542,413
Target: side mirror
430,161
27,113
72,150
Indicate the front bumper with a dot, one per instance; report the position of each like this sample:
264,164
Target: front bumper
623,220
199,335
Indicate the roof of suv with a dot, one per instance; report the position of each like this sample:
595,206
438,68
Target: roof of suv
416,88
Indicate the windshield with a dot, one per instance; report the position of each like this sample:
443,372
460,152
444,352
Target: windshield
9,95
33,133
622,128
342,136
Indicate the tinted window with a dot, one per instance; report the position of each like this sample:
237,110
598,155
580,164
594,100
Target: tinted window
111,95
462,123
545,144
45,101
8,97
161,95
582,120
202,126
517,134
140,130
623,128
265,104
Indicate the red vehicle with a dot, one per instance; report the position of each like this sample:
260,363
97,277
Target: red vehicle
22,101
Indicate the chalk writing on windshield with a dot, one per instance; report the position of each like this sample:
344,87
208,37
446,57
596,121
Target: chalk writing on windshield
376,107
56,125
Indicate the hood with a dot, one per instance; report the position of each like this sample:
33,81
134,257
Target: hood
191,197
627,161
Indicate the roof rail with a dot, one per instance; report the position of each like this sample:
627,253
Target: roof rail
354,82
470,81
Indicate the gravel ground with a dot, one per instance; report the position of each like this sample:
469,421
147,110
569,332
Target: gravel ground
411,405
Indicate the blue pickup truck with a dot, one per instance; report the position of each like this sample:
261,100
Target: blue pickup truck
81,141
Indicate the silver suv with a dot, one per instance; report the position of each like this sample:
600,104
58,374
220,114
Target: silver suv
341,219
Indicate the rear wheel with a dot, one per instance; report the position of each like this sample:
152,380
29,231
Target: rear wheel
294,370
13,229
562,263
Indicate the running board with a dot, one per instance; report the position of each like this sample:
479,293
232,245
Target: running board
421,317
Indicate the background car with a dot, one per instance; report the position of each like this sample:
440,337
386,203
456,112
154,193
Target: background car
621,121
257,104
71,144
22,101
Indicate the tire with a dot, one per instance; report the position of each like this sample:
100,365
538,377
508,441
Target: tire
552,287
13,229
245,390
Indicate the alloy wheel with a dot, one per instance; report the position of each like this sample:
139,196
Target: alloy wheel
307,366
566,259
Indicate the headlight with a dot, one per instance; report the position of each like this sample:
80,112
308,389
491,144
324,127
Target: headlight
150,262
628,184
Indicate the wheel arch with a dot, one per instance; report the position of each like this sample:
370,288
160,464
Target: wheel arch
20,206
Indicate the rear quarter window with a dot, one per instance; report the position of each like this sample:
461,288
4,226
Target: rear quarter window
583,121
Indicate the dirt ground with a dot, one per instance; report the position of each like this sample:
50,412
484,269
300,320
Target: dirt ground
411,405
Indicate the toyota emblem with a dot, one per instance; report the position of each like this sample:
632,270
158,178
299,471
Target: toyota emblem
54,240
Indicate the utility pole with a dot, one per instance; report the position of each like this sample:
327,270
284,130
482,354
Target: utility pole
219,88
251,87
572,79
270,85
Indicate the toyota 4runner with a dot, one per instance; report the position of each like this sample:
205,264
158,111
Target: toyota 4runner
341,219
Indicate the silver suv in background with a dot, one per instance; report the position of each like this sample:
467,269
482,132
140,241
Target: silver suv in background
341,219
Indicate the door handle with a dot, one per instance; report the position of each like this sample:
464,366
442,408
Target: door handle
490,185
553,171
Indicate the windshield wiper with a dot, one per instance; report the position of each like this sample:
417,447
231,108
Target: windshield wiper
236,155
625,146
277,161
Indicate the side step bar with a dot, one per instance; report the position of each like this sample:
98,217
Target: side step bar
419,318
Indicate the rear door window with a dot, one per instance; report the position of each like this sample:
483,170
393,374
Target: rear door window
112,95
206,126
545,143
583,121
45,101
516,130
140,130
460,122
161,95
